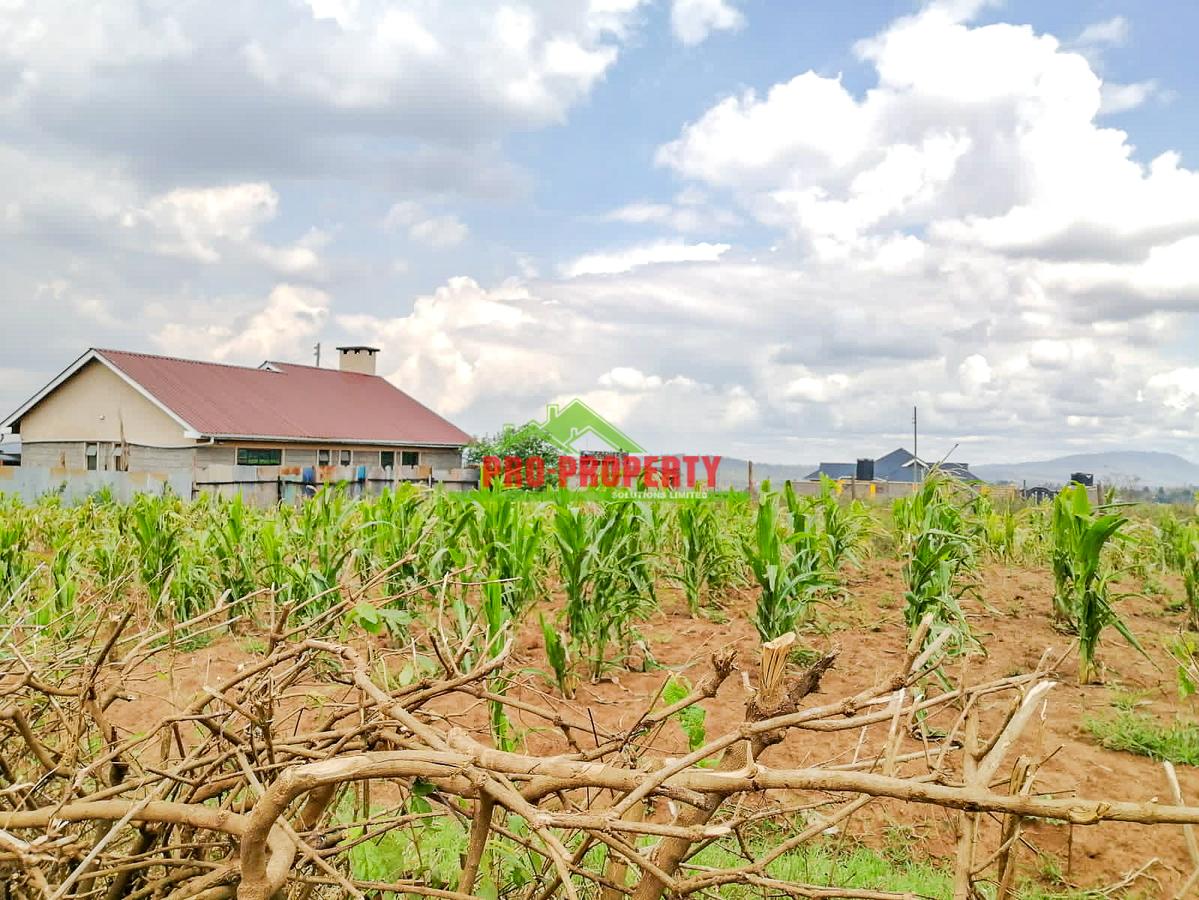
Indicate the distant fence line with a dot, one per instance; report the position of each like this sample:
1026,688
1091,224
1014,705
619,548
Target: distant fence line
261,486
269,485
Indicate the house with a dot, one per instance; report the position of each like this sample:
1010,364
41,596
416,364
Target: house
578,429
112,410
899,465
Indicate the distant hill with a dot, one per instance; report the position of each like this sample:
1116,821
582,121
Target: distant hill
733,473
1137,467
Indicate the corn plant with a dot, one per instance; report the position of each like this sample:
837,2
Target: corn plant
846,528
605,573
1172,542
557,654
16,559
394,524
497,617
326,544
996,529
156,528
705,559
1189,561
503,535
194,587
1184,650
788,567
1082,580
938,561
59,603
231,531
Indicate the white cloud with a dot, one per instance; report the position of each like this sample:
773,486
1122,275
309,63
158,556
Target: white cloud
439,232
643,255
1177,389
436,231
462,343
1112,32
978,135
531,62
810,388
282,329
629,379
193,222
694,20
689,213
1118,98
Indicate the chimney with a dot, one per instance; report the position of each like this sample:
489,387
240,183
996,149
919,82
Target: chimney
358,359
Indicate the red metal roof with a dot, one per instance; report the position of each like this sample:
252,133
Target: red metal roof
285,401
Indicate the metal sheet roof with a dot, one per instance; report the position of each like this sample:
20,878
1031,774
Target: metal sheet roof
285,402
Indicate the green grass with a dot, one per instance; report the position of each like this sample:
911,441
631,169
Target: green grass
824,864
1142,734
856,866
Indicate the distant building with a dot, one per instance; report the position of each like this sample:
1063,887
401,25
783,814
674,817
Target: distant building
112,410
1038,494
898,465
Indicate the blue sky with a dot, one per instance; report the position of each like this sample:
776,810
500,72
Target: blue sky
757,228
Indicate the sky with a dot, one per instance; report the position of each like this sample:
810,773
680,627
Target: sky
760,228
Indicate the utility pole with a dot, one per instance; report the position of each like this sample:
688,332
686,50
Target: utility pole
916,445
317,348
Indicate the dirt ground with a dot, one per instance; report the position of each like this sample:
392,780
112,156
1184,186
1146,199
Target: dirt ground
1011,618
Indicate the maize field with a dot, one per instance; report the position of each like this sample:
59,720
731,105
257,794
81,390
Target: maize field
505,694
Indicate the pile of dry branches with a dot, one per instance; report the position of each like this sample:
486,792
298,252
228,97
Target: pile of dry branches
267,782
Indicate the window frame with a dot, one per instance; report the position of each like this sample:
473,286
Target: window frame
345,458
387,459
414,455
326,453
275,452
91,456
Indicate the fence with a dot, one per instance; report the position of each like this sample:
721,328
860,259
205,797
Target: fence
261,486
31,482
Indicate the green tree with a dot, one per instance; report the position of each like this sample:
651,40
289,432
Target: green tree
523,443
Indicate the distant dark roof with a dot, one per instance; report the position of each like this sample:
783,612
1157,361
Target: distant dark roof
833,470
358,347
898,465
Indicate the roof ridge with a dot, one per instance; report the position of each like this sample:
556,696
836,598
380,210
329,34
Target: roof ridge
184,359
279,362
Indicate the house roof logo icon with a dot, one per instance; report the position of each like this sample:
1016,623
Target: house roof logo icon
570,427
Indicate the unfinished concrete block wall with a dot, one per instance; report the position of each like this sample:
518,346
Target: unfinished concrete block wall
161,459
299,457
441,459
53,455
215,455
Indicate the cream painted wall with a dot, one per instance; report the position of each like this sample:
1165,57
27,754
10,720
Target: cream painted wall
91,405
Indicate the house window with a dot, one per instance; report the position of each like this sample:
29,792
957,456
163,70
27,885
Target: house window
92,451
410,458
259,456
322,457
345,457
387,459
